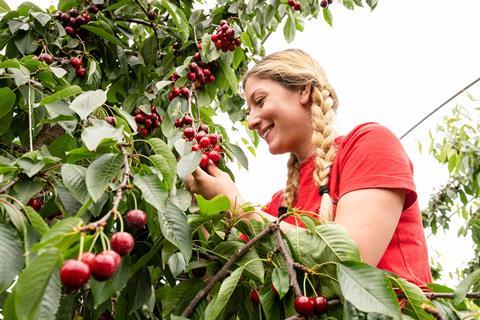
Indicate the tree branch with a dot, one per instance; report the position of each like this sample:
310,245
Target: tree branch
9,185
118,196
289,261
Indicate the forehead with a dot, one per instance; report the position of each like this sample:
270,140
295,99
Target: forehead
256,84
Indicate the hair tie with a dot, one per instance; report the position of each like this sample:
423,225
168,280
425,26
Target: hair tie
312,85
282,210
323,189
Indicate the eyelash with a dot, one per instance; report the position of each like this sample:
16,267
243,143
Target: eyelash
259,101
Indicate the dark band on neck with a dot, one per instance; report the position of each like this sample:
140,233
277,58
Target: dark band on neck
323,189
282,210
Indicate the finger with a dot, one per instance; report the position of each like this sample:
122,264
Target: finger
213,169
198,173
188,182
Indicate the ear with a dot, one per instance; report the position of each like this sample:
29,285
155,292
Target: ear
305,94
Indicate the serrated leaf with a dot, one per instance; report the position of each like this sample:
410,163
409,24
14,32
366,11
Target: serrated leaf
216,306
7,100
128,117
213,206
101,172
15,215
187,164
51,298
416,298
87,102
62,94
101,131
281,281
103,34
367,288
60,230
229,75
175,229
164,160
152,190
11,252
36,220
184,291
102,290
140,285
74,180
33,282
149,50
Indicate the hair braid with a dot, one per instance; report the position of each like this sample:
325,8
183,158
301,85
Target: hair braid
323,112
293,180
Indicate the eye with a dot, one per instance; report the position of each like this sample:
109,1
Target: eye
259,101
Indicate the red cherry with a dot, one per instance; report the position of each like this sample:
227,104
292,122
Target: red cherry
136,219
86,16
254,297
291,3
214,156
81,20
211,79
200,135
151,15
218,149
196,55
87,257
218,44
116,257
189,132
224,27
170,96
111,120
200,47
73,12
203,127
35,203
213,139
76,62
204,142
184,91
154,117
81,72
72,21
143,132
222,22
214,37
74,274
104,265
65,17
321,304
139,118
193,67
324,3
45,57
204,160
304,306
297,6
207,73
187,120
230,33
237,41
122,243
179,122
148,123
191,76
70,31
93,8
195,147
175,91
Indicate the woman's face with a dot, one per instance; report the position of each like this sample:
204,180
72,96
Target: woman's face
281,116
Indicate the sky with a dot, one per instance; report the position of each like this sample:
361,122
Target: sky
392,65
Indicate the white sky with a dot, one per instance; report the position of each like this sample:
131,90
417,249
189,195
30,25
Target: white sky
393,66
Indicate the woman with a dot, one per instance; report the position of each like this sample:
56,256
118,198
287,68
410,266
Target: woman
362,181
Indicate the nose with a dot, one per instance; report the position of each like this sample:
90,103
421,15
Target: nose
253,120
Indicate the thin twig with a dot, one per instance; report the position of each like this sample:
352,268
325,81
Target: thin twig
9,185
432,310
223,271
152,25
118,196
289,261
301,267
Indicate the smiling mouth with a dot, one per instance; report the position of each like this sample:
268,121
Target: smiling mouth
266,132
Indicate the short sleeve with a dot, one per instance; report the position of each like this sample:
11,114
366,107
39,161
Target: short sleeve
373,157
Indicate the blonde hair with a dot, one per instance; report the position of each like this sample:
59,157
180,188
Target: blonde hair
296,70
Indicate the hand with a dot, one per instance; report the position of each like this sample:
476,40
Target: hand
212,183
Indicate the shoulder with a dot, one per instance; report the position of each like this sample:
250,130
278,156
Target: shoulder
369,130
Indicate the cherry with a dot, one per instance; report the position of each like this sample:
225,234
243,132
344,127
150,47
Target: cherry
254,297
175,91
324,3
151,15
45,57
80,20
304,306
297,6
87,257
70,31
196,55
139,118
321,304
93,8
111,120
214,37
218,44
200,135
204,160
105,316
184,91
291,3
211,79
64,17
72,21
213,139
35,203
116,257
148,123
203,127
136,219
187,120
204,142
199,272
195,147
214,156
81,72
76,62
73,12
74,274
189,132
193,66
143,132
122,242
222,22
104,265
86,16
179,122
191,76
207,73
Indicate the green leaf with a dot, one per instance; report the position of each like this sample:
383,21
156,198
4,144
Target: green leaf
149,50
140,286
51,298
11,252
250,260
74,180
33,282
216,306
462,289
229,75
175,229
213,206
327,16
100,132
416,298
289,29
36,220
87,102
181,22
103,34
41,17
188,164
62,94
15,215
4,6
338,242
101,172
26,189
164,160
238,153
183,292
372,3
152,190
26,43
281,281
367,288
7,100
10,63
61,229
102,290
348,4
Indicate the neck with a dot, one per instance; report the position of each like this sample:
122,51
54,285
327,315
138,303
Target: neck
308,151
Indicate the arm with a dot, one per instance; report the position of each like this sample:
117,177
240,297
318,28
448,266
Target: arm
371,217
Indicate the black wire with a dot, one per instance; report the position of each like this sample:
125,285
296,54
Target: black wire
439,107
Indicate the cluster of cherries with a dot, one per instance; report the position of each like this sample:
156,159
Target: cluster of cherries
74,18
75,273
207,143
325,3
77,64
147,123
295,5
200,72
224,39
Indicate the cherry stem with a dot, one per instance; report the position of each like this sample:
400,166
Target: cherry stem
80,251
94,240
189,103
102,239
121,222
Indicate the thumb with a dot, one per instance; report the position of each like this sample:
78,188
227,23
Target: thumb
213,169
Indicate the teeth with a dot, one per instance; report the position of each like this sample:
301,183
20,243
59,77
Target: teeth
267,132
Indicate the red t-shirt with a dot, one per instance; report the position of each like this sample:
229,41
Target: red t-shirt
371,156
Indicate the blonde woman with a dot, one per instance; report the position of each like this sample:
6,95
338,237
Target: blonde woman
362,181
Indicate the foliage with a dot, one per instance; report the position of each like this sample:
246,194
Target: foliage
77,154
